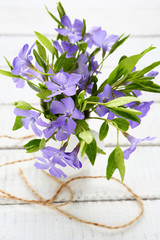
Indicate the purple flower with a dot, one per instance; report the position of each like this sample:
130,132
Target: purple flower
97,37
73,31
66,46
83,71
63,83
73,156
58,127
152,74
107,95
92,35
22,64
134,143
29,118
143,107
53,156
67,108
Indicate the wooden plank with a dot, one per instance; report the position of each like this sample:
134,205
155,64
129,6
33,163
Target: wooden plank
38,223
71,4
142,175
138,22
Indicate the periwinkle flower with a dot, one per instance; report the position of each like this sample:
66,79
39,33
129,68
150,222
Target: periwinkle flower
152,74
134,143
66,47
63,83
53,156
22,64
74,157
73,31
107,95
92,35
29,119
82,70
67,108
143,107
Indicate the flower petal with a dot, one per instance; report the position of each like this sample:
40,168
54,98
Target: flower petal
57,107
68,103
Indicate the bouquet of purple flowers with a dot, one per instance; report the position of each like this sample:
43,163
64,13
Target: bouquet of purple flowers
64,75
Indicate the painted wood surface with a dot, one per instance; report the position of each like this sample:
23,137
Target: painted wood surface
95,200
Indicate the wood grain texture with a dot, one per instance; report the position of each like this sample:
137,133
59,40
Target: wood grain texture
34,222
97,200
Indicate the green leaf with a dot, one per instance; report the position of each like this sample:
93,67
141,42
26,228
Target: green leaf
100,151
87,136
33,86
43,94
121,123
147,86
18,123
103,131
83,107
147,69
42,143
9,74
60,62
127,113
84,28
45,41
54,18
91,151
82,125
83,147
33,145
97,50
68,64
116,161
121,101
119,42
41,50
9,64
22,105
82,46
40,61
81,97
125,67
60,10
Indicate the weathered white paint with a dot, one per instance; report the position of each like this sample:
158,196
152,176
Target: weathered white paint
97,200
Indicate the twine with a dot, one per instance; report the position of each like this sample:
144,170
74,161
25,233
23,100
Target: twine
50,202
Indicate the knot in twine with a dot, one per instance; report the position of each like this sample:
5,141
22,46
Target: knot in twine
50,202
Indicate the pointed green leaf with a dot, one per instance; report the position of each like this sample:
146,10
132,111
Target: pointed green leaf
43,94
40,61
127,113
91,151
121,101
9,64
119,42
9,74
60,62
22,105
41,50
45,41
116,161
54,18
60,10
121,123
103,131
18,123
